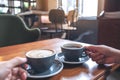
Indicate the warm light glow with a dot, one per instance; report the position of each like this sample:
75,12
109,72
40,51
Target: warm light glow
93,65
81,76
45,19
1,58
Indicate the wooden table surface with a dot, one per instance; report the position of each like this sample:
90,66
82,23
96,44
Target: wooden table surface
85,71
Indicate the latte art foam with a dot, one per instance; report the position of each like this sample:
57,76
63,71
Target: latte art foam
39,53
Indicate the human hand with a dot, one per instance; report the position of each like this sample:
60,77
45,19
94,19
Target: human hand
11,70
103,54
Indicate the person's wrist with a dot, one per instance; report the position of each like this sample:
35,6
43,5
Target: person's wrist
117,56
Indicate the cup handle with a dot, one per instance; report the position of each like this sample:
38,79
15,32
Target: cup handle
28,68
84,52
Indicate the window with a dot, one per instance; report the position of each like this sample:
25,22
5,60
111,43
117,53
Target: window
33,3
3,3
88,7
26,5
15,6
68,5
85,7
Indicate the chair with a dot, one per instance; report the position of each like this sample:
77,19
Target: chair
71,20
72,16
13,30
57,18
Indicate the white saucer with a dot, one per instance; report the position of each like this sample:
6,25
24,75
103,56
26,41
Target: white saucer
61,58
54,69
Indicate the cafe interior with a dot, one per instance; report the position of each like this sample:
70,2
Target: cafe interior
48,24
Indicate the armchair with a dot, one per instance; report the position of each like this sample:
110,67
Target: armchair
13,30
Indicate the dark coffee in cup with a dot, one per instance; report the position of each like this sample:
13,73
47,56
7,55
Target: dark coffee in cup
40,60
73,51
72,46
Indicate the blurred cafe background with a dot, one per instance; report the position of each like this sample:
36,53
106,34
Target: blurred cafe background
89,25
87,21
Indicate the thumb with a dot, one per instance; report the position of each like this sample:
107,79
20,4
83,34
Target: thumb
16,61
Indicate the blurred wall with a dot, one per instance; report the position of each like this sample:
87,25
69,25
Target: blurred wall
46,5
100,6
52,4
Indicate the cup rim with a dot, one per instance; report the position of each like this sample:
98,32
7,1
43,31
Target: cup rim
26,54
63,46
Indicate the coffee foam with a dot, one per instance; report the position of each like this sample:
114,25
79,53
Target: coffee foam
39,53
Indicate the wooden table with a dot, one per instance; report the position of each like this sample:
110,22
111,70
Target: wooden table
89,69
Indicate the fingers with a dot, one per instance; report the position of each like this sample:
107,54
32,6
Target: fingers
101,54
16,61
99,58
19,73
91,48
93,54
100,61
24,74
109,60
